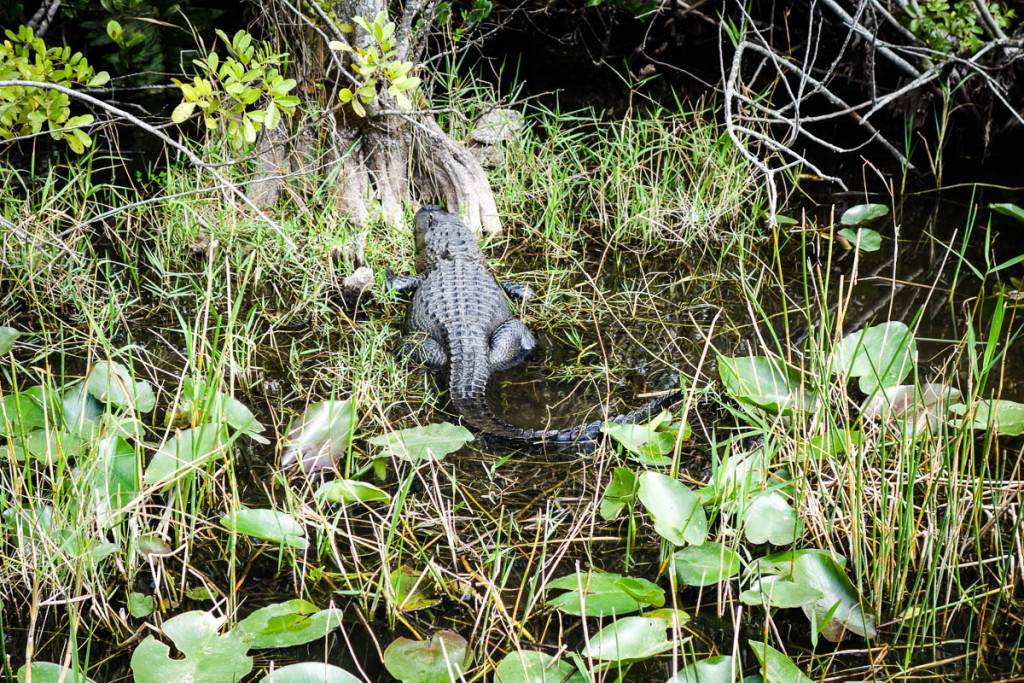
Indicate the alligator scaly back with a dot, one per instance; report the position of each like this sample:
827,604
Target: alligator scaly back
460,325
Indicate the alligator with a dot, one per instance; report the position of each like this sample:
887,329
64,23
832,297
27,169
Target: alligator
459,325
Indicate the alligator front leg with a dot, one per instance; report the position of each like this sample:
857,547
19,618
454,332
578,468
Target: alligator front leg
404,283
511,342
515,290
424,349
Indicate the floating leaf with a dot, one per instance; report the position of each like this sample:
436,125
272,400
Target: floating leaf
878,355
830,444
47,672
821,572
112,383
711,670
705,564
1005,417
207,656
776,591
412,590
152,544
8,335
677,512
321,437
769,517
140,605
918,408
442,658
20,414
629,638
648,443
531,666
620,492
418,443
269,525
765,382
864,239
347,491
863,213
46,445
286,624
672,617
1011,210
310,672
219,407
776,667
81,411
184,451
601,594
112,479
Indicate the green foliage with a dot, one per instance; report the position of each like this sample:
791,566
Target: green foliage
240,95
601,594
376,65
25,111
954,26
442,658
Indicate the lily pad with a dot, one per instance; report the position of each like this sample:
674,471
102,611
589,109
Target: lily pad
20,414
769,517
321,437
219,407
418,443
184,451
765,382
841,599
711,670
47,445
530,666
140,605
878,355
286,624
269,525
47,672
777,667
442,658
602,594
412,590
677,511
1005,417
864,239
347,491
629,639
310,672
8,335
649,443
775,591
112,479
207,656
620,492
705,564
81,411
863,213
113,383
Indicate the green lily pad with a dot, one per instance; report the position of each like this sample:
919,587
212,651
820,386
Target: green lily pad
347,491
530,666
620,492
863,213
649,443
269,525
878,355
321,437
47,445
81,411
219,407
602,594
47,672
310,672
1005,417
711,670
418,443
777,667
864,239
112,383
765,382
413,590
775,591
182,452
442,658
111,479
1011,210
769,517
20,414
628,639
677,511
8,335
286,624
841,598
206,656
140,605
705,564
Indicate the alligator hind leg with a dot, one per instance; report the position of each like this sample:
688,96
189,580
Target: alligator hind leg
515,290
510,344
424,349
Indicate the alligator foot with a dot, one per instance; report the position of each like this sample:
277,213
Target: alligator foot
510,344
403,283
422,349
515,290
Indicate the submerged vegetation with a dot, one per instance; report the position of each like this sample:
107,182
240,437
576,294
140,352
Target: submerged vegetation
211,443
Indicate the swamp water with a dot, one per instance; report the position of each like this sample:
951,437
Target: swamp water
494,526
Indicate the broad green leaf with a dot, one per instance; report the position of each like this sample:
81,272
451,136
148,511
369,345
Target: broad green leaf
442,658
347,491
863,213
1005,417
412,590
1011,210
286,624
864,239
269,525
642,590
669,615
530,666
418,443
830,444
219,407
711,670
821,572
775,666
112,479
677,511
99,80
46,445
20,414
321,437
81,411
878,355
620,492
769,517
310,672
140,605
596,594
206,656
47,672
765,382
112,383
181,452
705,564
649,442
8,335
775,591
629,638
